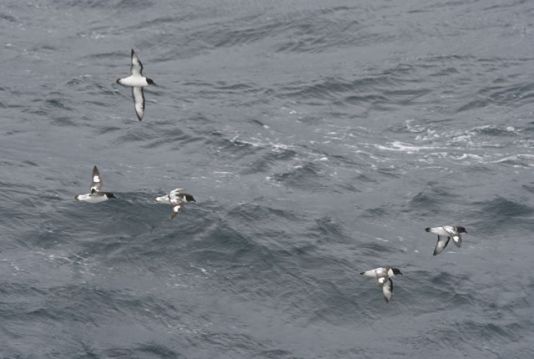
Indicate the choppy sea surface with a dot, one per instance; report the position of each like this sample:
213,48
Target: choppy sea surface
319,139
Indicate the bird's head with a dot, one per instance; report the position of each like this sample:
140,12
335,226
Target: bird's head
189,198
461,229
396,271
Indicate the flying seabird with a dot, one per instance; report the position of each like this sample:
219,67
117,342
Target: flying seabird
445,233
176,198
383,277
136,81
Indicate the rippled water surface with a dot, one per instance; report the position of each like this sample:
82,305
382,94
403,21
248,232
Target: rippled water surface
319,138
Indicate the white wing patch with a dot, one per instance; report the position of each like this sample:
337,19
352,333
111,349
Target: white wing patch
139,101
441,244
175,210
440,231
96,180
449,229
136,68
175,192
387,289
381,271
457,240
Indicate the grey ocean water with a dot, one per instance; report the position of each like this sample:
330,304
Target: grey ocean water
319,138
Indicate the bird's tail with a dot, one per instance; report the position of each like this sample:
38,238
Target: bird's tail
427,229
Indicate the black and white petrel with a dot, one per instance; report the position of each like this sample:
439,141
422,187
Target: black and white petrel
383,277
95,195
176,198
445,233
137,81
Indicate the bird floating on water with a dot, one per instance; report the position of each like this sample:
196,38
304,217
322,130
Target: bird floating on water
96,194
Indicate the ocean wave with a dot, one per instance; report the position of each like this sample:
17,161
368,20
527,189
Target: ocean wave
501,214
319,140
305,176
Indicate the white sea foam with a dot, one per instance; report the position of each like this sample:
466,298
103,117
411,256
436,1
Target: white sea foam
397,146
519,157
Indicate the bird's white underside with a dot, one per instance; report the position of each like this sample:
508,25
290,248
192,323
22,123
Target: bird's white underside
134,81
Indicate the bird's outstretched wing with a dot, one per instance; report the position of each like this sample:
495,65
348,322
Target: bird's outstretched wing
96,181
457,239
136,67
175,192
387,289
441,244
175,209
139,102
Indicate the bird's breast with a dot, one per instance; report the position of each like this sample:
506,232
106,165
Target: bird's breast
133,81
